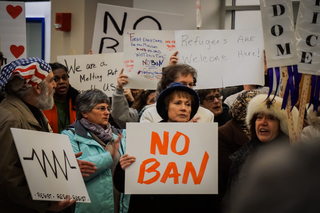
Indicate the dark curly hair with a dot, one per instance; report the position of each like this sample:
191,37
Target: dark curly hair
141,100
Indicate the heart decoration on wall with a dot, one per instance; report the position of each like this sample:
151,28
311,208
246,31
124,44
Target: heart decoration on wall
17,51
14,12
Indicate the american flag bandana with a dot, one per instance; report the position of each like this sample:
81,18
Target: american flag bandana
33,70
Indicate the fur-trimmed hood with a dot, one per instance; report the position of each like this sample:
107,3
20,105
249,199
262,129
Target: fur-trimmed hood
259,104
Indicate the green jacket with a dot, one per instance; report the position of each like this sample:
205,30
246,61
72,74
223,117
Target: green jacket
100,184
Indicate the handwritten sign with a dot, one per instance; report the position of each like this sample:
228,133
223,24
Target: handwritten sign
145,53
12,30
97,71
111,21
172,158
307,34
278,32
50,166
223,57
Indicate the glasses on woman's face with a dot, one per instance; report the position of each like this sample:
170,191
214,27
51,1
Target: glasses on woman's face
103,108
212,97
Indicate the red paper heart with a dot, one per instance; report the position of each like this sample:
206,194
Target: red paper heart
17,51
14,12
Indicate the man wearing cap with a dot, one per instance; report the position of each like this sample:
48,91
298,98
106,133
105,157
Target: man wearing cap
29,87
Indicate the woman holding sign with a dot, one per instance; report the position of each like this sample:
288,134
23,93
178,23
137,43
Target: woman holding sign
177,103
93,135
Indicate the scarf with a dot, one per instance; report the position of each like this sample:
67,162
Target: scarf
105,135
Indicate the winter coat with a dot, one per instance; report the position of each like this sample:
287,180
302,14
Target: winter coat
14,191
99,184
121,112
231,137
241,161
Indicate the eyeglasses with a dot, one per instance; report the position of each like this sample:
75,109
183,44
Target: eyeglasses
103,108
211,98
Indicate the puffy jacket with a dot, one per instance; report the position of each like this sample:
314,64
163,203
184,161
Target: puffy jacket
99,184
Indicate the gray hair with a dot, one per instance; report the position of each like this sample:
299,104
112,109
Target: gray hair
87,100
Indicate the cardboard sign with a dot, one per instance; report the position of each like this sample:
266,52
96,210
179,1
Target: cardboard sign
307,34
97,71
50,166
278,32
172,158
146,52
111,21
12,30
223,57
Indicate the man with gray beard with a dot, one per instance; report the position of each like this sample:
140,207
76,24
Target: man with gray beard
29,87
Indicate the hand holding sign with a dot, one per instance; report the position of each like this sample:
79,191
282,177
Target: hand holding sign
173,59
126,160
122,80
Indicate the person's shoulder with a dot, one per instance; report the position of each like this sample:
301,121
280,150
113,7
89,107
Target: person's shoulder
204,111
150,114
150,108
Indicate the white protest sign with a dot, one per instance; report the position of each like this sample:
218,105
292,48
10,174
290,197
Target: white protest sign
223,57
50,166
172,158
307,34
278,32
97,71
145,53
111,21
12,30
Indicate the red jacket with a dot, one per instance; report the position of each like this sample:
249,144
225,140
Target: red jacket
52,116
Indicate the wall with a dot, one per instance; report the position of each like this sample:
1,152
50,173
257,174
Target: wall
83,15
83,12
209,9
43,10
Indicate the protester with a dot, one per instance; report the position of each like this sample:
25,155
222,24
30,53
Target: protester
212,100
186,75
177,103
121,110
229,100
29,87
63,112
93,135
232,136
268,124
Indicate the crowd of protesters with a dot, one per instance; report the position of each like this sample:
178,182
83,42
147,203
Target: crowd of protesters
249,123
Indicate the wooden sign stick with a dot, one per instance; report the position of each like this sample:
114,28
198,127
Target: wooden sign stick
306,78
292,133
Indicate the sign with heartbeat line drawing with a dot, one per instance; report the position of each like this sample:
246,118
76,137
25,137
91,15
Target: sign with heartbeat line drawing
50,166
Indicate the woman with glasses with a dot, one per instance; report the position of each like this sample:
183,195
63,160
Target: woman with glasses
212,100
100,144
185,75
